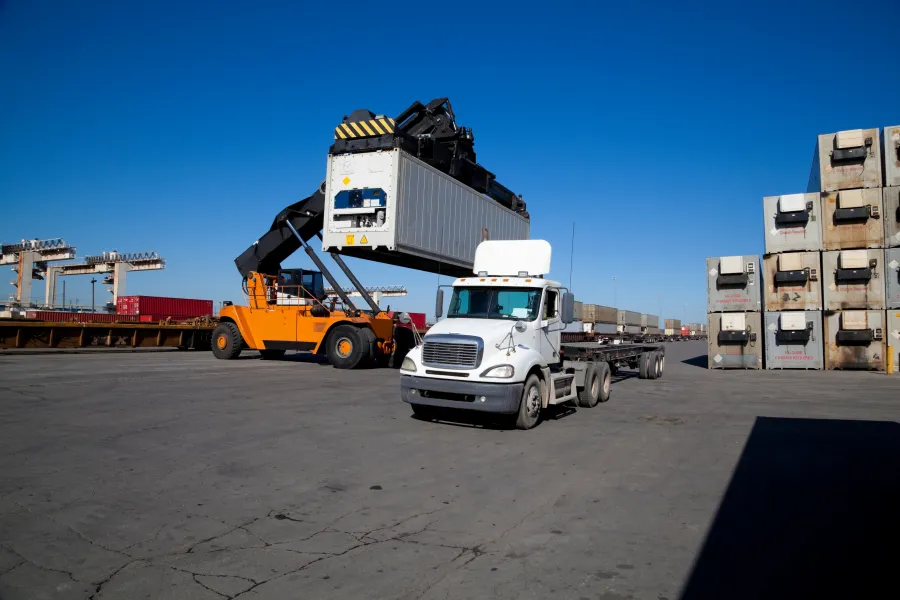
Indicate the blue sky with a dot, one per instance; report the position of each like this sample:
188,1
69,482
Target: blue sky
657,127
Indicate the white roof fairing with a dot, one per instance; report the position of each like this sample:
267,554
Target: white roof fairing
497,258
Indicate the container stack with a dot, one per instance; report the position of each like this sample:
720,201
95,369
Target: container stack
672,327
650,325
733,307
628,321
792,282
847,175
599,319
891,199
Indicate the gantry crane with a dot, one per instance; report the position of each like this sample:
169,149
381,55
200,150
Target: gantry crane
29,260
114,264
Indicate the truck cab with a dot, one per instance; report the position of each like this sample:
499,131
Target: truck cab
498,349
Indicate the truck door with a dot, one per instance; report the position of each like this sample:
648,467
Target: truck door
548,335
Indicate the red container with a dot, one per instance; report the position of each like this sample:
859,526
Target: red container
417,320
160,307
57,316
685,330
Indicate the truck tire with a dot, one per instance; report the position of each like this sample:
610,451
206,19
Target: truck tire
404,341
653,365
345,347
370,343
589,395
227,341
644,368
661,364
271,354
605,375
530,405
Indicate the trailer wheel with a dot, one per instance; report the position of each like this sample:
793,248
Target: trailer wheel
530,405
644,368
346,349
604,373
653,365
661,364
227,341
589,395
271,354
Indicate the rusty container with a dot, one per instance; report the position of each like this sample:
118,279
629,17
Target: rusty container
792,281
892,278
853,279
846,160
854,339
891,216
735,340
853,219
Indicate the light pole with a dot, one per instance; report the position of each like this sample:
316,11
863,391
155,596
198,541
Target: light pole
615,295
93,281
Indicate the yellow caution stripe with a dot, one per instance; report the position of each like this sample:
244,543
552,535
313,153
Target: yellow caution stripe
363,129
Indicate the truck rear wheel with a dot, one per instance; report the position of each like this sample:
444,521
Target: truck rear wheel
346,348
653,365
227,341
605,375
644,368
530,405
589,395
660,364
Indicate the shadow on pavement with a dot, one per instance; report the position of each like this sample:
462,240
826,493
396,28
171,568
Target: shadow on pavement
701,361
812,511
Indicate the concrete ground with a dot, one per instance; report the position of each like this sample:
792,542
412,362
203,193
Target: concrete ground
174,475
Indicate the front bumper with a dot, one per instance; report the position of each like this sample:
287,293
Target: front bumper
449,393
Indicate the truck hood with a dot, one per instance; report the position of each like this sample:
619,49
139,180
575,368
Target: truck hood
492,331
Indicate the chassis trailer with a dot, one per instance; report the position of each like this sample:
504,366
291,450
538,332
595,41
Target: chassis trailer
499,349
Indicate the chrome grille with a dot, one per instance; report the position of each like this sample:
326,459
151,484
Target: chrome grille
450,354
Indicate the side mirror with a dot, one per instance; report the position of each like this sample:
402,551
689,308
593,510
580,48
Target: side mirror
568,308
439,304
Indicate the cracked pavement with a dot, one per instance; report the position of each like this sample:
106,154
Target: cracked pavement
173,475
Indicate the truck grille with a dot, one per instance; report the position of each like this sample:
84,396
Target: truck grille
452,354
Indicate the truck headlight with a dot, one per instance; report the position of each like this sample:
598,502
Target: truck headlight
408,365
499,372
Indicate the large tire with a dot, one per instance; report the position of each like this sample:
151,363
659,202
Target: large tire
370,344
661,364
589,395
653,365
227,341
346,348
271,354
404,341
644,368
530,405
604,373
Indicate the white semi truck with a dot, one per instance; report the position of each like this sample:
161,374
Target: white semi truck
499,350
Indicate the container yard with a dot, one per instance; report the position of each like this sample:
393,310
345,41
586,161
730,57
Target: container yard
361,366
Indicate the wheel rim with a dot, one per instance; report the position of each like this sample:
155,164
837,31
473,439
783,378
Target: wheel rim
344,347
533,401
662,364
606,385
221,342
594,386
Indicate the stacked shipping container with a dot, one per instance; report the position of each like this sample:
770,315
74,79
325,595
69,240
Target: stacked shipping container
849,175
733,309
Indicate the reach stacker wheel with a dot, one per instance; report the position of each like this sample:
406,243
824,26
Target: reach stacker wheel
227,341
346,348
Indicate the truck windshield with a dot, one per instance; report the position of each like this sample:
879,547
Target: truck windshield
495,303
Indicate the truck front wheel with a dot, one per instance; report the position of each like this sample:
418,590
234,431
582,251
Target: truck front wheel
227,341
530,406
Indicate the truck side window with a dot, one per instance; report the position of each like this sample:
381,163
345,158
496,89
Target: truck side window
551,310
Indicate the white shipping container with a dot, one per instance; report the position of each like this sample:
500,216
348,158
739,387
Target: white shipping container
846,160
891,139
793,223
853,279
391,207
891,217
853,219
855,339
792,281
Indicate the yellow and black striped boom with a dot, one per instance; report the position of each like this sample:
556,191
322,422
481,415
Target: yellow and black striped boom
364,128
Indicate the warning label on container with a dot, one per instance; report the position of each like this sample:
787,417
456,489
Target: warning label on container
363,240
772,327
349,239
893,264
717,358
713,272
